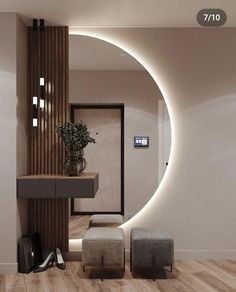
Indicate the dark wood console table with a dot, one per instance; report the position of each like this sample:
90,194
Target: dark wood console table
47,197
57,186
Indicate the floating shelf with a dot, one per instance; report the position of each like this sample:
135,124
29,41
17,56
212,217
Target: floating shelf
58,186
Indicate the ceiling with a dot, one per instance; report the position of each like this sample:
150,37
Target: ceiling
117,12
86,53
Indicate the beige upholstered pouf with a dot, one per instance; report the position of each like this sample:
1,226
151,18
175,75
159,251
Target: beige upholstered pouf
105,220
151,248
103,247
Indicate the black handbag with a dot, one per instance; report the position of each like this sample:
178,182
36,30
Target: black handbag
29,253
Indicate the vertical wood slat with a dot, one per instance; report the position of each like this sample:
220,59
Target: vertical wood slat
48,58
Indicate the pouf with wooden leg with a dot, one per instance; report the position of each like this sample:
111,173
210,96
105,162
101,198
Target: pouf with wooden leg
153,248
103,247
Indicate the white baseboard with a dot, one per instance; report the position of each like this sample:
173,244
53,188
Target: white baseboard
8,268
198,254
205,254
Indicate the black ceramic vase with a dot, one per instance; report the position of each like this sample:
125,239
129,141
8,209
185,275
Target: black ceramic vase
75,163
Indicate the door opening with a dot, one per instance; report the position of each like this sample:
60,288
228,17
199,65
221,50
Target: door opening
106,156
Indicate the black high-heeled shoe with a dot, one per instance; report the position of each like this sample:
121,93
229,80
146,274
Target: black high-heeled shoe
59,260
44,266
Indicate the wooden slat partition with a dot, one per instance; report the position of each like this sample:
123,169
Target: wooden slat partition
48,58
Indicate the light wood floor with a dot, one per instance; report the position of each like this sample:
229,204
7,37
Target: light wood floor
78,226
187,276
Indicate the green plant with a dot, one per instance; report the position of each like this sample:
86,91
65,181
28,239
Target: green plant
75,136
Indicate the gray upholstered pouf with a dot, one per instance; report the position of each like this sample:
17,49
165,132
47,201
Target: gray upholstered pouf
105,220
103,247
151,248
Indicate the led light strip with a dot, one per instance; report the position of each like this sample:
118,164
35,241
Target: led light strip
41,80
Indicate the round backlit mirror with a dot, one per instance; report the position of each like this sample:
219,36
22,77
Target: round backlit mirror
126,114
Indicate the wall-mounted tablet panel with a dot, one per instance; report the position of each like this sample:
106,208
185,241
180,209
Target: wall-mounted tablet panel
141,141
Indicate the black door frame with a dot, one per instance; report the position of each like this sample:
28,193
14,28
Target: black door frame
73,107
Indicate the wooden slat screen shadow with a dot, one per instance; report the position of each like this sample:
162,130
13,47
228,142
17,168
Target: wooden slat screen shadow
48,58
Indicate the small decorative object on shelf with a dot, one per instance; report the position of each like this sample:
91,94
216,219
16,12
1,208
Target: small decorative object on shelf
76,137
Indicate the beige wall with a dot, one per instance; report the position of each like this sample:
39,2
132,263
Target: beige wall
21,115
8,142
12,117
139,93
195,69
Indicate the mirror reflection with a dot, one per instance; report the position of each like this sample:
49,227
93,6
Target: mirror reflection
125,113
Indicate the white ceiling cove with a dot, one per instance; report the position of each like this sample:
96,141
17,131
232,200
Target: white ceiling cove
88,53
133,13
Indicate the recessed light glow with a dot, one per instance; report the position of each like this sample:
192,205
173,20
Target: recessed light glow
41,81
35,122
35,100
41,103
